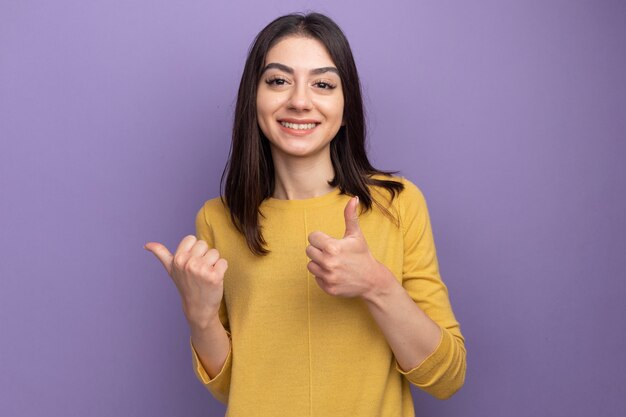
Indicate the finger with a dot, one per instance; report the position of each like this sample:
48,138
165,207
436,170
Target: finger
221,266
314,253
212,256
200,248
351,216
185,244
324,284
321,283
316,270
162,254
319,239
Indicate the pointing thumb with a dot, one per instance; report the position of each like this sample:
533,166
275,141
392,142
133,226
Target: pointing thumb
351,216
162,254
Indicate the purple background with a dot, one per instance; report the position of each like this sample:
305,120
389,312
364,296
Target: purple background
114,128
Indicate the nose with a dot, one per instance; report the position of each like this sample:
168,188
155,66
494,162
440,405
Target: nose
300,98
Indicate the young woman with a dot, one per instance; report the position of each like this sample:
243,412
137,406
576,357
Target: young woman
312,287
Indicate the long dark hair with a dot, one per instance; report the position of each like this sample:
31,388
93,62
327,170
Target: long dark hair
248,177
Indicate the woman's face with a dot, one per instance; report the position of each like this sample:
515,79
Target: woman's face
299,98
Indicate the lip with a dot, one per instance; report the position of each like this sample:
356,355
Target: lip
298,121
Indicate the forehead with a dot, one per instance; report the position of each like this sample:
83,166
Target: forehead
299,52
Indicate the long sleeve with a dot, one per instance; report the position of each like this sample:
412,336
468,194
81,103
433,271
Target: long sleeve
295,350
442,373
219,386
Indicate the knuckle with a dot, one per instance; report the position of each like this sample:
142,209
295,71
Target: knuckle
202,268
180,261
332,248
331,264
194,265
214,278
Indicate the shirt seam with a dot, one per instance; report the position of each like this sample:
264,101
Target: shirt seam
308,303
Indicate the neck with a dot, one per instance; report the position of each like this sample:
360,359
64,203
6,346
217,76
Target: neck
302,178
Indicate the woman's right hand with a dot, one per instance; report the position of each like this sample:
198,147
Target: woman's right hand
198,273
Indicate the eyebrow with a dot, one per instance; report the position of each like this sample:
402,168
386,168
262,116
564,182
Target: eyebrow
289,70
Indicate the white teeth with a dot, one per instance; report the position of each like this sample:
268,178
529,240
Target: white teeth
296,126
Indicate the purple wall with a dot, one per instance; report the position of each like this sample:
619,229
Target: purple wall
114,128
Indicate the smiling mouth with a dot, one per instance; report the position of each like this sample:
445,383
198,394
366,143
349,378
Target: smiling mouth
299,126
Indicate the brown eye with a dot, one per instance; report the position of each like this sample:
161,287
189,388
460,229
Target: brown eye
324,85
276,81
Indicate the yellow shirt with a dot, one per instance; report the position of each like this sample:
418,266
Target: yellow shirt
297,351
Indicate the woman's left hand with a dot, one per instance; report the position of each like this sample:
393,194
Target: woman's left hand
344,267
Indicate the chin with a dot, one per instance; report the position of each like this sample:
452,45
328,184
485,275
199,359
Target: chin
301,152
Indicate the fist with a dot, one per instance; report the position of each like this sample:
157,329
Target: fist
198,273
343,267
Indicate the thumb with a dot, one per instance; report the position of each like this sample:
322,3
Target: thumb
351,215
162,254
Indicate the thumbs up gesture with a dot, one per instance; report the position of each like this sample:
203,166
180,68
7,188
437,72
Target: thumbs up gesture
343,267
198,273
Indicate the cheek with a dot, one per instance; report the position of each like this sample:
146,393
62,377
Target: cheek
263,123
267,105
265,113
262,111
333,109
340,110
